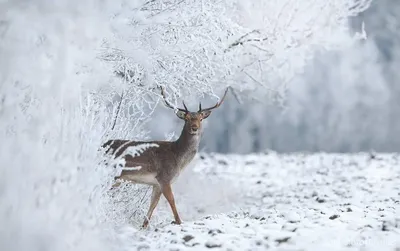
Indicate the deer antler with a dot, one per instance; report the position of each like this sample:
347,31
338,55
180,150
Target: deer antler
169,105
216,105
183,102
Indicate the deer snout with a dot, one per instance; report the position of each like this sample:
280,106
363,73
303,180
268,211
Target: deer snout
195,128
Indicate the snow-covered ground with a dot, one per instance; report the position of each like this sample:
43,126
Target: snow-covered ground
282,202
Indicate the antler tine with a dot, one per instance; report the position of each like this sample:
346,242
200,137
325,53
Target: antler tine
218,103
165,98
167,103
199,107
183,102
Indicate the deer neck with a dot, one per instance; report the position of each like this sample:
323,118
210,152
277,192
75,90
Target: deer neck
187,144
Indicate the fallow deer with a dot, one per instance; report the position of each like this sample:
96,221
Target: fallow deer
161,165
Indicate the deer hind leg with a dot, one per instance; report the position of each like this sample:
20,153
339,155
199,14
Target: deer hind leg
155,198
167,192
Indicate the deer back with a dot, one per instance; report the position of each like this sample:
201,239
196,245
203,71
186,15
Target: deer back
165,161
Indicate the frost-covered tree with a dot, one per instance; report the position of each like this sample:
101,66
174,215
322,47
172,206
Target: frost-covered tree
196,47
347,100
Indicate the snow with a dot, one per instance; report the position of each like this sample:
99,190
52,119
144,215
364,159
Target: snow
283,202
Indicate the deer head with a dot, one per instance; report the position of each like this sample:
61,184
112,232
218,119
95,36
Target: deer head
193,119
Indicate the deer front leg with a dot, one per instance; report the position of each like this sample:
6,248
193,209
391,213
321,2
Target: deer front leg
155,198
167,191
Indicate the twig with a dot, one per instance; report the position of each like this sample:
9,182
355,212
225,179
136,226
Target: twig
240,41
262,49
161,65
118,109
236,96
166,9
252,78
141,200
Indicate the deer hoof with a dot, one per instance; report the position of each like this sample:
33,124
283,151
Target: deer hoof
176,222
145,225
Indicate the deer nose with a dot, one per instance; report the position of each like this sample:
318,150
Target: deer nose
195,128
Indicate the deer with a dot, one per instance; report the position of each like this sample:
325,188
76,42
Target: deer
160,166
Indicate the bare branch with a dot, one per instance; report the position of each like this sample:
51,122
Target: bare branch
236,96
241,40
118,109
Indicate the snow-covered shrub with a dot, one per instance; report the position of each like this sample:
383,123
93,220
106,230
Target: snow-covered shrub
52,123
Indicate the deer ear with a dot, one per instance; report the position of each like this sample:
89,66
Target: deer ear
205,114
181,114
